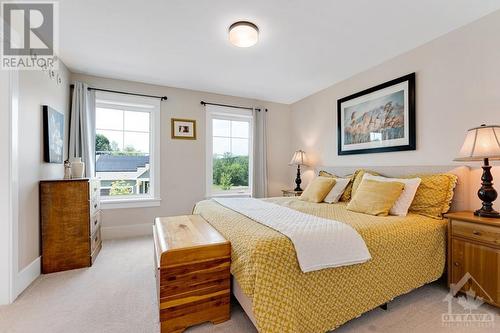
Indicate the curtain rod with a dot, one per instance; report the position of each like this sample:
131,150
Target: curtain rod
162,98
230,106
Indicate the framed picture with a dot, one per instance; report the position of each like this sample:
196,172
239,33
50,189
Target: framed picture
183,129
379,119
53,135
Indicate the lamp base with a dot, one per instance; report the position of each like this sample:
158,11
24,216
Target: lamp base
298,181
483,213
487,193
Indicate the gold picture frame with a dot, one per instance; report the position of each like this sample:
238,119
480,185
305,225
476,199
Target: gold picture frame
183,129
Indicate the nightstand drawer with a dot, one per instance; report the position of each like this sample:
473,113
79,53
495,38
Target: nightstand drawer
476,231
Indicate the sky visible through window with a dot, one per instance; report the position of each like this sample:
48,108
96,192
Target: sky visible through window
124,129
230,136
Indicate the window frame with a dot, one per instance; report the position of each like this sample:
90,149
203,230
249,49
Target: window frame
225,113
125,102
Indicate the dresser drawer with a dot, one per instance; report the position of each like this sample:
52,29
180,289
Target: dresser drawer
95,205
95,222
95,239
476,231
94,188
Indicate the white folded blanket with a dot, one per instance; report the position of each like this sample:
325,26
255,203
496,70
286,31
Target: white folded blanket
319,243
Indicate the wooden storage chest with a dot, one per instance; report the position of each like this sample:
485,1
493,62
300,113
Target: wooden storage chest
192,262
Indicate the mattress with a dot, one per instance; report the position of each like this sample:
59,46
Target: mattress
407,252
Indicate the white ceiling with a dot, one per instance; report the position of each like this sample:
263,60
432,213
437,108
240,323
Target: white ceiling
305,45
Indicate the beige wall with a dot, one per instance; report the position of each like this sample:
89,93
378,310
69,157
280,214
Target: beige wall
183,161
36,89
457,87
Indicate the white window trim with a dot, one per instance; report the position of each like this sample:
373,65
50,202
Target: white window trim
130,203
219,112
144,104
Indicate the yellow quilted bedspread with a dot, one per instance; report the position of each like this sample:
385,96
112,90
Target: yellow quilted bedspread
407,252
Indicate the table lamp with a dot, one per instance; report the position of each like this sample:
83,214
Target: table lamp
482,144
298,159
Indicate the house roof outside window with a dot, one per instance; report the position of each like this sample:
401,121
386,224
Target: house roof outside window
120,163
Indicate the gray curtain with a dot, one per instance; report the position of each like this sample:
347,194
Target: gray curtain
260,154
82,127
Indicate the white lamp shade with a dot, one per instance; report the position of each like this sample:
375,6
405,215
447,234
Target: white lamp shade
480,143
298,158
243,34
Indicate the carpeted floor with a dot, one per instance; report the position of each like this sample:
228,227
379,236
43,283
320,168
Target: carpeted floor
118,295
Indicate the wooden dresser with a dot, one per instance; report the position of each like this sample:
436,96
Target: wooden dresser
70,219
192,262
474,248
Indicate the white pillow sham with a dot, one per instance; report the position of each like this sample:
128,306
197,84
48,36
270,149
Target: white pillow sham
401,206
337,190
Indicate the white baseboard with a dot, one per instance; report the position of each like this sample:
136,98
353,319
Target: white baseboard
27,275
126,231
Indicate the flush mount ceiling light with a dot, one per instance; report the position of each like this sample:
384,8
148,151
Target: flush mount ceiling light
243,34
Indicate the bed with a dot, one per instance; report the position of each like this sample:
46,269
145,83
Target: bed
407,252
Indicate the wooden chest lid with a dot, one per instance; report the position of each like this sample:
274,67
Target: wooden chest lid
188,238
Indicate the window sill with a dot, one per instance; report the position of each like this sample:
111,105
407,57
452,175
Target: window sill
130,203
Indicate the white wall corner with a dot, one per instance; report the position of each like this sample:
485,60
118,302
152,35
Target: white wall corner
127,231
27,275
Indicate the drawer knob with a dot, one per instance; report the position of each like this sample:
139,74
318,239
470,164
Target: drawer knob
477,233
95,222
456,263
95,205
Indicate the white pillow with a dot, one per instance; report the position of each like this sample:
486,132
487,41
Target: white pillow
337,190
400,207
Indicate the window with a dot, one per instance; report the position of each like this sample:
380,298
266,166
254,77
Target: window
127,148
229,152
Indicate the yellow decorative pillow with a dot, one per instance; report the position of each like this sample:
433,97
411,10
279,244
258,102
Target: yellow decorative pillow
358,177
346,196
375,198
434,195
318,189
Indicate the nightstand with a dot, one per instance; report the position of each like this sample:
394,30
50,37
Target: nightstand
474,248
291,193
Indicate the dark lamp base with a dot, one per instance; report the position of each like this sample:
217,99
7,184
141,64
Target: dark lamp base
487,193
298,181
482,213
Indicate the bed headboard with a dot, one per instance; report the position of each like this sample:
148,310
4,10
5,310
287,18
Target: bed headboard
462,190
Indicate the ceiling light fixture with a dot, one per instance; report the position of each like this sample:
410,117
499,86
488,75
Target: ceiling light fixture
243,34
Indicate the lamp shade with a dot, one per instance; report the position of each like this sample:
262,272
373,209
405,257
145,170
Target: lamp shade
480,143
298,158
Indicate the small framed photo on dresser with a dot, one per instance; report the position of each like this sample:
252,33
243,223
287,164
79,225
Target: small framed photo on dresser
378,119
183,129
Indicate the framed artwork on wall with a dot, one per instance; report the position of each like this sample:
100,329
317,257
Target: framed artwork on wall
378,119
183,129
53,135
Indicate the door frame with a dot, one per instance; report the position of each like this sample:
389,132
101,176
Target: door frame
9,219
